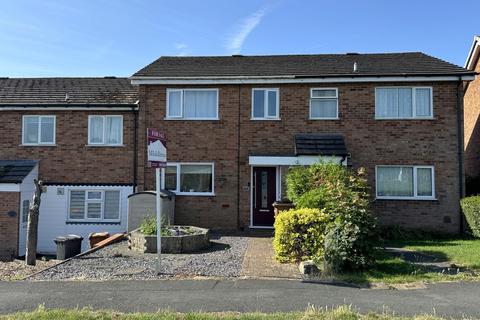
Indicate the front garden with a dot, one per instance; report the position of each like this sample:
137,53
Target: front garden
333,228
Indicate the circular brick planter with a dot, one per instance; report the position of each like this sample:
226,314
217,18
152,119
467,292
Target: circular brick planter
198,240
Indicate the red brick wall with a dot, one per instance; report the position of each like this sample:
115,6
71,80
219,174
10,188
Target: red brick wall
371,142
71,160
472,126
9,201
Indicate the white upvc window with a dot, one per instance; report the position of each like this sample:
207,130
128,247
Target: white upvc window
192,104
189,178
324,103
403,103
405,182
94,205
38,130
265,104
105,130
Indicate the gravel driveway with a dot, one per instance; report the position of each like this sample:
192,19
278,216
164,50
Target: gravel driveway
223,259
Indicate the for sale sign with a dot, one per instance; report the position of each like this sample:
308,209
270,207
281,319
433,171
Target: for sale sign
157,148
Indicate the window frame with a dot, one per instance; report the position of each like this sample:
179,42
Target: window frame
104,136
39,137
178,166
414,103
182,110
265,104
102,201
310,117
415,183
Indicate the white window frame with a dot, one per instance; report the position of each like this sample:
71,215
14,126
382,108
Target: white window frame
102,201
415,182
178,165
39,143
265,104
182,110
322,98
414,104
104,119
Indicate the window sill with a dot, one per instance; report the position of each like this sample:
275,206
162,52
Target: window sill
194,194
324,118
265,119
406,199
396,119
190,119
113,222
105,145
38,145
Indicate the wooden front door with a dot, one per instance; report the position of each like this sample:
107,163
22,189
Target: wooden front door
264,194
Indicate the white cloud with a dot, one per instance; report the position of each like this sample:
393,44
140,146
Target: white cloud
182,49
235,41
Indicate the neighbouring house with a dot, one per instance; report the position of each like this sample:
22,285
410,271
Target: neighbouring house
235,124
472,121
78,136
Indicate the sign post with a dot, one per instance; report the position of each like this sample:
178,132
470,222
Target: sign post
157,158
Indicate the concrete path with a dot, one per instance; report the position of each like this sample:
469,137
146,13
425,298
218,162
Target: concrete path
445,299
259,261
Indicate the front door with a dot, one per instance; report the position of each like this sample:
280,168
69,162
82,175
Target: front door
264,194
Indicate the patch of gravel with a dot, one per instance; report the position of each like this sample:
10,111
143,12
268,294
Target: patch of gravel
224,258
17,269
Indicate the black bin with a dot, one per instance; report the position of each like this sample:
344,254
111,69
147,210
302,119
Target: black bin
68,246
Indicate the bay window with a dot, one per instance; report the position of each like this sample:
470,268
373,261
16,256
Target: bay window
192,104
189,178
403,103
405,182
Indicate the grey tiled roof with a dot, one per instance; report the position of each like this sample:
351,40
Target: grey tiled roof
54,91
318,65
14,171
320,144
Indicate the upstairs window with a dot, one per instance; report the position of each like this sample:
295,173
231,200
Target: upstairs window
324,103
265,104
38,130
403,103
192,104
105,130
94,205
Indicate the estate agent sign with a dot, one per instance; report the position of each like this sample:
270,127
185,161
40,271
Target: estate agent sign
157,148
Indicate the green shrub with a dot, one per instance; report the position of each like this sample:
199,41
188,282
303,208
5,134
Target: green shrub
149,226
343,195
299,234
471,210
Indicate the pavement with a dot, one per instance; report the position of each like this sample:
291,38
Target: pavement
454,299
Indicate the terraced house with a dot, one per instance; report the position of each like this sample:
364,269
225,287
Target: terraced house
234,125
78,136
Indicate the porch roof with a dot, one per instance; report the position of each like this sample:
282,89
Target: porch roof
14,171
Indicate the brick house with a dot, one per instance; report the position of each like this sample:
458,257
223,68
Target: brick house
471,115
78,136
236,124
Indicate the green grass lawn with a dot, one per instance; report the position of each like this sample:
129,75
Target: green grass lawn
390,269
341,313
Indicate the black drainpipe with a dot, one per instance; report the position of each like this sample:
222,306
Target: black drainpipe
135,150
238,160
460,149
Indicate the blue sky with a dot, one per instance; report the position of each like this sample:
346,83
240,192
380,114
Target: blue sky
112,37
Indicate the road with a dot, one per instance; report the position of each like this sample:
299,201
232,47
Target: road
446,299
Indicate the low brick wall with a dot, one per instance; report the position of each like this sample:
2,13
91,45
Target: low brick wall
170,244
